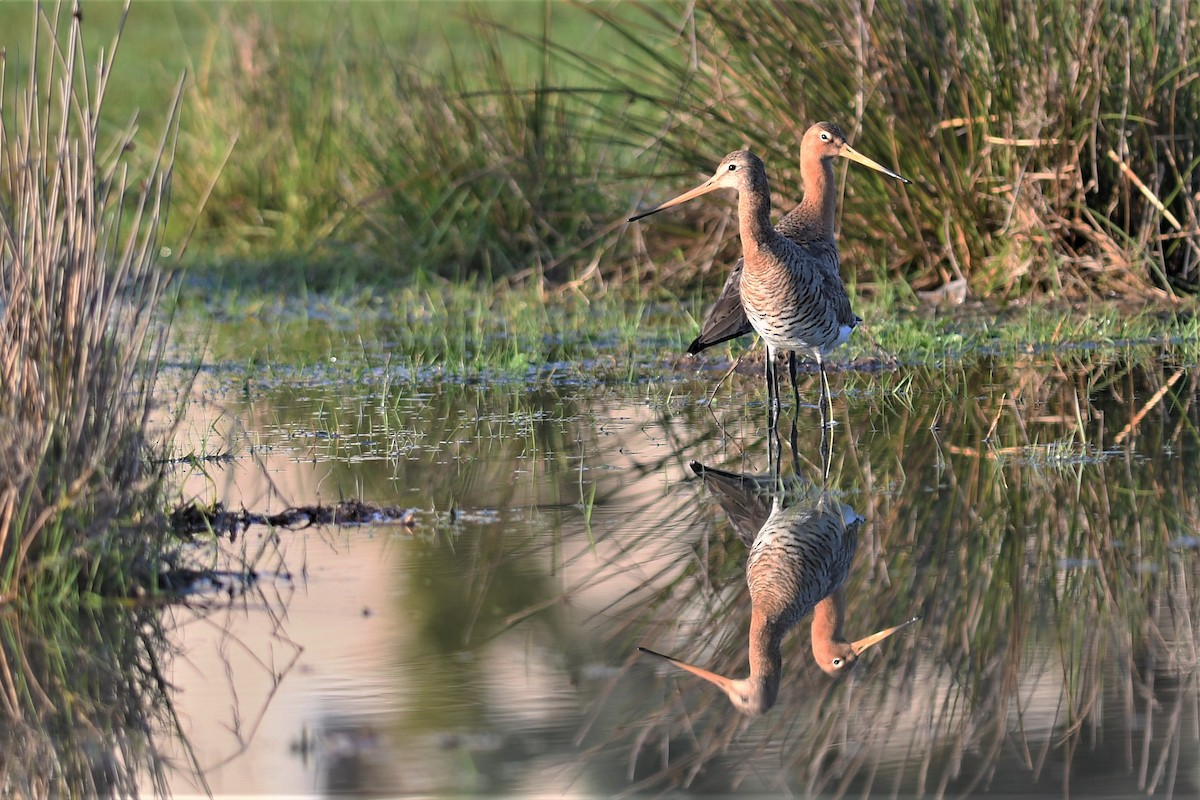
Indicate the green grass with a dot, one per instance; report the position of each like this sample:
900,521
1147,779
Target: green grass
443,331
1041,168
161,40
437,332
331,170
300,157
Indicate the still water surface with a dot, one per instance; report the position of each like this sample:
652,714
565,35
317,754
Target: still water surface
1040,517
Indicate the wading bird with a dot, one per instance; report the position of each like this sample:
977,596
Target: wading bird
787,286
801,542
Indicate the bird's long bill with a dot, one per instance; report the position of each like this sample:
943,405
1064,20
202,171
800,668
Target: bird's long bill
852,154
704,188
875,638
712,677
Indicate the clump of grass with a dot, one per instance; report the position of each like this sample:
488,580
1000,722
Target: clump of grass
323,155
267,178
1053,144
79,347
512,184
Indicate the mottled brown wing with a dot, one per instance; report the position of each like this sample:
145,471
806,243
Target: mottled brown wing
745,499
833,289
726,319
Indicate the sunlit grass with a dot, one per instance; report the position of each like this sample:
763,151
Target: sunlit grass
318,128
444,331
1041,168
1042,165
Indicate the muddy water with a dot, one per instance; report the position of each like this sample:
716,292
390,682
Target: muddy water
1040,517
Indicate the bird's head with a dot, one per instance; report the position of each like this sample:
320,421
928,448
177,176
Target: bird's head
838,658
824,141
739,170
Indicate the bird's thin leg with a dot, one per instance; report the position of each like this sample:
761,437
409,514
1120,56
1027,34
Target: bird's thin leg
777,448
795,404
826,395
826,451
772,410
773,381
792,374
795,448
826,421
795,441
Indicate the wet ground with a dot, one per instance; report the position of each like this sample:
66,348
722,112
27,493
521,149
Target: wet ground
1040,516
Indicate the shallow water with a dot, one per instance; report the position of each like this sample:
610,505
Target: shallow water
1040,517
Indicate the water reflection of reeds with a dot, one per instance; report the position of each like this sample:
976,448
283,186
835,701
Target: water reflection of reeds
1056,580
1043,536
83,703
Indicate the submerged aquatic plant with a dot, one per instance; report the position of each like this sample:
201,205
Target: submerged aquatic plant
79,347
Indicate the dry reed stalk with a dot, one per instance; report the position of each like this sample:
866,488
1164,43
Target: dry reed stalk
79,347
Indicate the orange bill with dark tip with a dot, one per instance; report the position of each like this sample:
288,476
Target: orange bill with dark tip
849,152
704,188
875,638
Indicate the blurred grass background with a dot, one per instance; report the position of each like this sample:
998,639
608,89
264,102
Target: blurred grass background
324,145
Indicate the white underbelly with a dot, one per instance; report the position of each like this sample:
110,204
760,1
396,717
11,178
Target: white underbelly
781,337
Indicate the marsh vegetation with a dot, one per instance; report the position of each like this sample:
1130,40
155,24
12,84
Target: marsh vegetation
407,280
80,335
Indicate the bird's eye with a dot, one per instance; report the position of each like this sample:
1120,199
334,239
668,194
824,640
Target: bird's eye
837,662
824,137
732,167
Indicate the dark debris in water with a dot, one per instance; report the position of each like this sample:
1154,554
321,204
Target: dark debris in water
184,581
190,519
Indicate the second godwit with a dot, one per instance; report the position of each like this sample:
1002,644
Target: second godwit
788,284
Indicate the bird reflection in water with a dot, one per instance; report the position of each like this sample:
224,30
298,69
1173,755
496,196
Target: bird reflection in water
801,542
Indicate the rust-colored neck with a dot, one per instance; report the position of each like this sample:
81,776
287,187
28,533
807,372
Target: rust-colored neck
829,617
766,659
754,214
820,195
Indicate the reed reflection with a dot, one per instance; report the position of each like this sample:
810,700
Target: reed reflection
801,542
84,705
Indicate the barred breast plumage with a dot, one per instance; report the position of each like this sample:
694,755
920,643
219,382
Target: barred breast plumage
802,553
790,288
808,225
